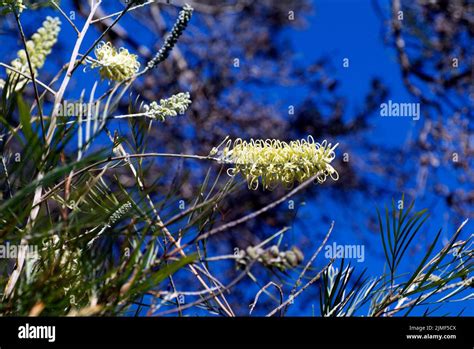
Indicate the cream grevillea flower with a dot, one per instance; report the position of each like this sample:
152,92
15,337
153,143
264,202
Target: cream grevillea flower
13,4
115,65
172,106
274,162
39,47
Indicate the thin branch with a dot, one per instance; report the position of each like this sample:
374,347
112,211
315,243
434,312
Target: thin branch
46,87
229,286
310,262
271,283
32,72
258,212
291,298
66,16
130,156
130,9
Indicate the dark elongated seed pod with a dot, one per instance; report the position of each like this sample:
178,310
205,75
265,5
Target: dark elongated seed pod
172,38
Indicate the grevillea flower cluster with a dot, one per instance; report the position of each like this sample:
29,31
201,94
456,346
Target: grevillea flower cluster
113,64
172,106
11,5
271,257
178,28
273,162
39,47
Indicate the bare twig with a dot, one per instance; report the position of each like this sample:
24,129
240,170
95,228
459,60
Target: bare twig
310,262
271,283
32,72
66,16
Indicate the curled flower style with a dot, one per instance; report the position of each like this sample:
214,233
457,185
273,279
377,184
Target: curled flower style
274,162
39,47
13,5
172,106
115,65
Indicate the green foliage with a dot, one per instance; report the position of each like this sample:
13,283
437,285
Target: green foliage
436,279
